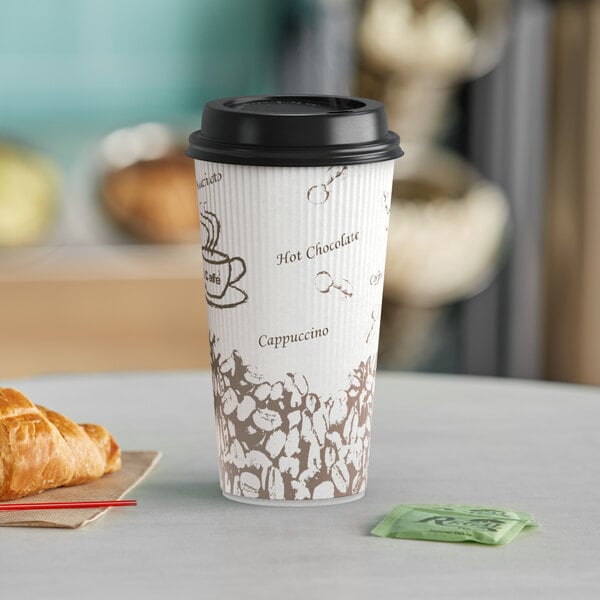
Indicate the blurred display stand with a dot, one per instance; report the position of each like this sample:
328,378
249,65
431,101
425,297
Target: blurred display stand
502,330
465,83
450,227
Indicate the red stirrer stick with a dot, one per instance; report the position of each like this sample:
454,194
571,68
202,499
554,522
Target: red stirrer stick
53,505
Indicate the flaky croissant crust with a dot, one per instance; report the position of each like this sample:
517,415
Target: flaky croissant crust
41,449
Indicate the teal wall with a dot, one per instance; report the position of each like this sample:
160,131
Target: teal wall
100,61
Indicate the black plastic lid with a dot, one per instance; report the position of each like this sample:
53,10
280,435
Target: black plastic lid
294,131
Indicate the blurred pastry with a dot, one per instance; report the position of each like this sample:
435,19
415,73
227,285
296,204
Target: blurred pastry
155,199
413,38
445,40
29,188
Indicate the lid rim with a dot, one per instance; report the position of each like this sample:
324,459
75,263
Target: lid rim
228,104
248,154
316,130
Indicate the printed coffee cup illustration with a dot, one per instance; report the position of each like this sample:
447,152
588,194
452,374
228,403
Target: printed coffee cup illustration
220,270
293,196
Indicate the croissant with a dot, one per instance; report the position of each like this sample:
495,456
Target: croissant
41,449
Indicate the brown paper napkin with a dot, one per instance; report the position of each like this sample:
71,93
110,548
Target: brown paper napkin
136,465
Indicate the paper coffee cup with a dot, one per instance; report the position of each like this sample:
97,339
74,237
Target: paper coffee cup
294,198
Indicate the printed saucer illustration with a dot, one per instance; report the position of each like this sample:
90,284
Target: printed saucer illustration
233,296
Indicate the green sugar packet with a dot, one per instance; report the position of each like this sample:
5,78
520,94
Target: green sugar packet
454,523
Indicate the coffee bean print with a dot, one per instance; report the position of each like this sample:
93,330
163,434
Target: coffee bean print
301,491
276,391
319,422
330,456
324,490
236,454
340,476
227,366
265,419
281,441
262,391
249,485
275,485
252,375
292,442
294,418
339,408
275,443
230,401
289,465
311,403
245,408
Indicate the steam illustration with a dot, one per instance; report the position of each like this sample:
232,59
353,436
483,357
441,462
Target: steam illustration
212,226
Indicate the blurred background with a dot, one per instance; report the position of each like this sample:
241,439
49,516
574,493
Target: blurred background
494,235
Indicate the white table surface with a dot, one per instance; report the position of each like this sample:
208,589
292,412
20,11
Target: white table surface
523,445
